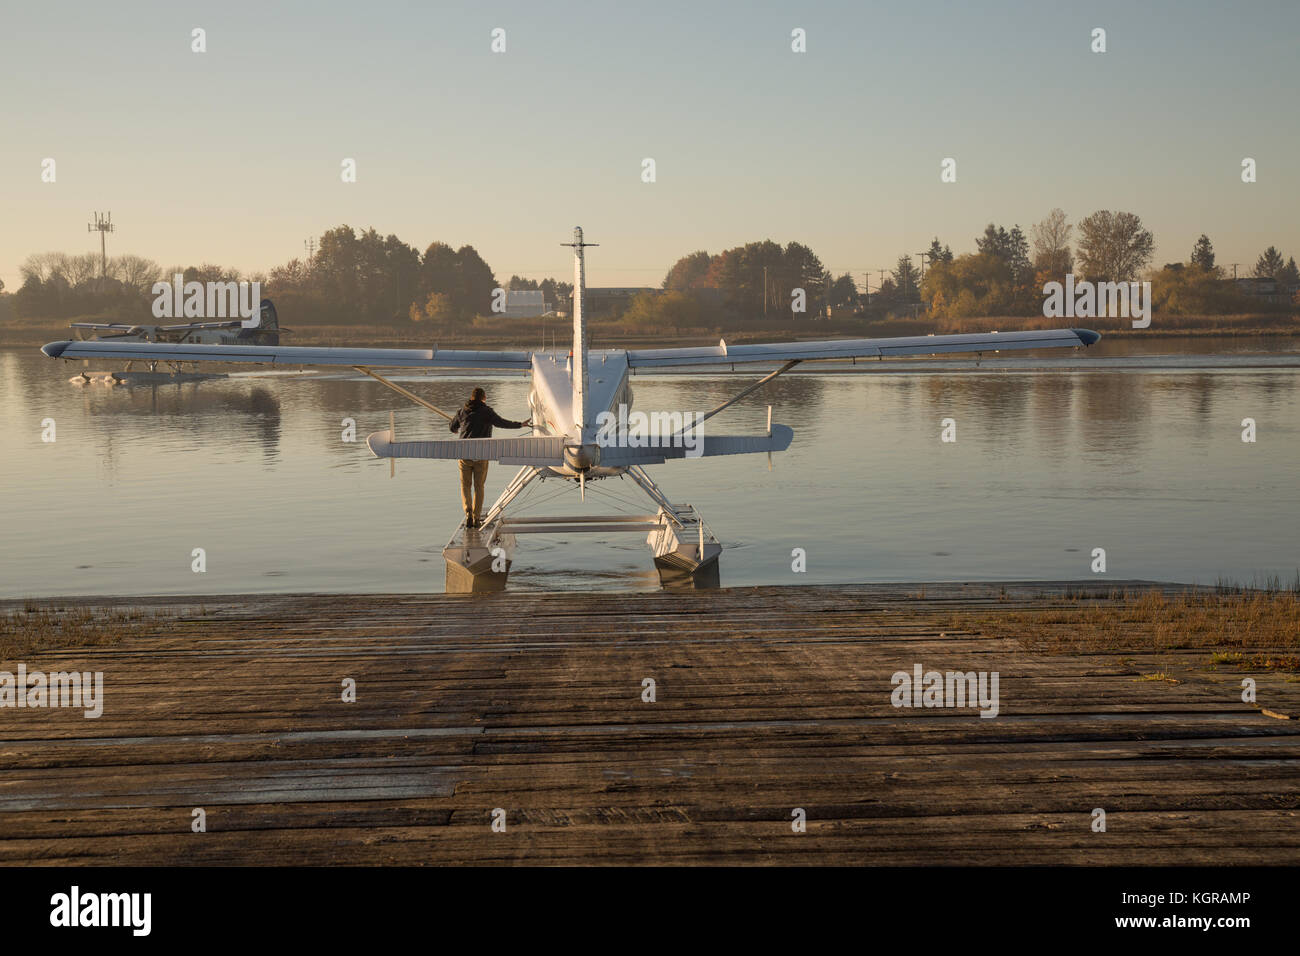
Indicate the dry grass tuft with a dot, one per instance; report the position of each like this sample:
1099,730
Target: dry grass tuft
40,627
1225,619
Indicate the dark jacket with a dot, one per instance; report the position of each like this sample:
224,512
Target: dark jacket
475,420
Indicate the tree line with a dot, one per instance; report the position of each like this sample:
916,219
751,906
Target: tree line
368,278
1005,274
351,278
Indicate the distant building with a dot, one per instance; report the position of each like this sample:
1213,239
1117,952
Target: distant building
1265,288
525,303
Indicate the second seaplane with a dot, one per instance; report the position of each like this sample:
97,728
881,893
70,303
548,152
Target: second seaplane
572,403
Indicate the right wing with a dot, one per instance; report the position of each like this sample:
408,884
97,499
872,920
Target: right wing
724,354
617,456
294,355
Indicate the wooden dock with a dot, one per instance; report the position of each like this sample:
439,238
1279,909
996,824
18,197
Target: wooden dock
766,700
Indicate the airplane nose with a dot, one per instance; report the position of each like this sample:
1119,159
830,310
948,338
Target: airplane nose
1087,336
55,349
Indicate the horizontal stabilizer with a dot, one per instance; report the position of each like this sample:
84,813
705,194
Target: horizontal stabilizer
711,445
532,450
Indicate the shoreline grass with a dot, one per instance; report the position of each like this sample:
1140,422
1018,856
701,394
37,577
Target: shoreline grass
1251,628
37,627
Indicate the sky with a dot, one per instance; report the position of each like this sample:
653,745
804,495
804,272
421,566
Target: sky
233,156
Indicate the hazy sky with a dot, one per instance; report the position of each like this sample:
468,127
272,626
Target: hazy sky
233,156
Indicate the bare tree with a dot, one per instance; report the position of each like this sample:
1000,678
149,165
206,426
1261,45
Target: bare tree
1052,244
38,267
1113,246
79,269
135,271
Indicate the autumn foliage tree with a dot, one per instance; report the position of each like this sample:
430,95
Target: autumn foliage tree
1113,246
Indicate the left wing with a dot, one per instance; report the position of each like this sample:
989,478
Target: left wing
289,355
724,354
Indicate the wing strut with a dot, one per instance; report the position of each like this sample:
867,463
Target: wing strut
401,391
757,385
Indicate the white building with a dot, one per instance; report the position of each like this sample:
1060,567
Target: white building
525,303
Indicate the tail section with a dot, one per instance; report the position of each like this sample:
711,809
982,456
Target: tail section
267,330
270,321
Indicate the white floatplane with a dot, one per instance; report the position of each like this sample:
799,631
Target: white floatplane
571,403
228,332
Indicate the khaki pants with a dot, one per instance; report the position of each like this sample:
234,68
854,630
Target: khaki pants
473,476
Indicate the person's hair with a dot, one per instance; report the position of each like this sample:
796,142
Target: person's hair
479,395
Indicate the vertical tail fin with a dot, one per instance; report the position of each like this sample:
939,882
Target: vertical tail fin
579,372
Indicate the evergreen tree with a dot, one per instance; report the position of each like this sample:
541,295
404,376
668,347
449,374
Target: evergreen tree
1203,253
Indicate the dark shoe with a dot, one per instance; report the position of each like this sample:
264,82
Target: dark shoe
470,522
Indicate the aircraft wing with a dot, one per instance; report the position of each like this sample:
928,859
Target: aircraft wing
115,326
709,445
527,450
231,324
292,355
724,354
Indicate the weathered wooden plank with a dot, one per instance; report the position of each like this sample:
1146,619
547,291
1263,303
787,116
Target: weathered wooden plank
767,699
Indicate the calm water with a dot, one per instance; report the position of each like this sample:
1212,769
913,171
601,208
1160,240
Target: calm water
1139,455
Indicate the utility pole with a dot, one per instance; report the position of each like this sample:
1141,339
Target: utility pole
923,256
1234,271
310,246
764,291
102,224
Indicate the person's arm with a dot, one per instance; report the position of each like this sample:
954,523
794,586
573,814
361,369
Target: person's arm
500,422
453,426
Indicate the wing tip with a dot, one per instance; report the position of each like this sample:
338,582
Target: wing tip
380,443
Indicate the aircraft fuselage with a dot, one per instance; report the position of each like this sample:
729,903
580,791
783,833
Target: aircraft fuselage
553,407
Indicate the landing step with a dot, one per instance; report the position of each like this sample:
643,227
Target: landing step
558,524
